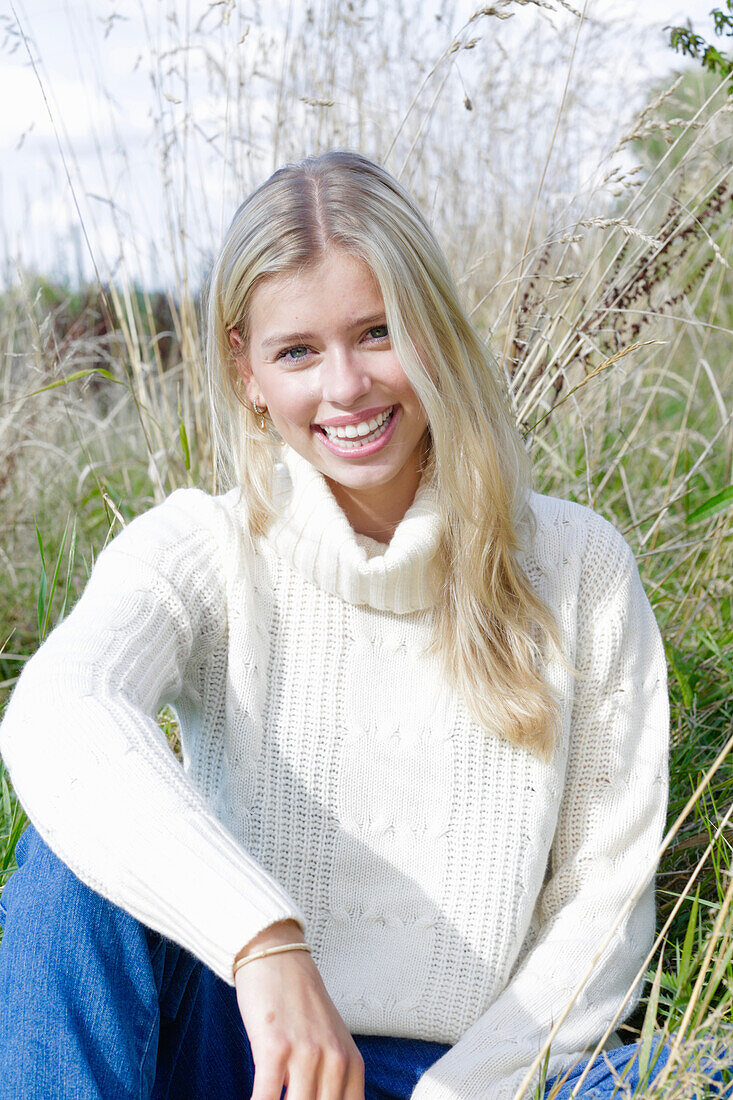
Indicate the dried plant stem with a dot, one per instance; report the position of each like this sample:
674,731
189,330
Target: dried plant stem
540,185
626,908
658,942
680,1034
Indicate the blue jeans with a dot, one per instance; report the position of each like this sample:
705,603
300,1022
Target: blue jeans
615,1074
95,1005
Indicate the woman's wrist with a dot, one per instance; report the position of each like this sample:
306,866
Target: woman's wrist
281,932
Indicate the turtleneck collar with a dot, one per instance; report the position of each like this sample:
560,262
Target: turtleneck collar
311,532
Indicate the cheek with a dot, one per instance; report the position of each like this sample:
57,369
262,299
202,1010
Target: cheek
402,387
398,380
288,401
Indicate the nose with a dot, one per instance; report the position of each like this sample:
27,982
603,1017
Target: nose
344,377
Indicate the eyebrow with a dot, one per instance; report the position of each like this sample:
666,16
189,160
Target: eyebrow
296,338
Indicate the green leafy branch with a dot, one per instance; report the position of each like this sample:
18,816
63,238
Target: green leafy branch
685,41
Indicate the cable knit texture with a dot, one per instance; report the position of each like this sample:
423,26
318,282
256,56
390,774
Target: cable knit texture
452,886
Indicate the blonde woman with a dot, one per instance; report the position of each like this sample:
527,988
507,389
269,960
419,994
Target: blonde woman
410,852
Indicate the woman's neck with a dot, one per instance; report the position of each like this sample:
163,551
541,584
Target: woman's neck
378,511
375,518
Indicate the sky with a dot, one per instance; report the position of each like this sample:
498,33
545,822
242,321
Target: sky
85,169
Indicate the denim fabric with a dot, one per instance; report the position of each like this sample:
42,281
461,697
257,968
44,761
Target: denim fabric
95,1005
616,1074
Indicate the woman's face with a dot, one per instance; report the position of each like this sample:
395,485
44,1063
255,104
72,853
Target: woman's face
320,359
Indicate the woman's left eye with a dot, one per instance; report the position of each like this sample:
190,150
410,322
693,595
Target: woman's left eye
380,330
294,358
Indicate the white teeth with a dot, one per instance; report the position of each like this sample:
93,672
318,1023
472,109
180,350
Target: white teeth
348,435
354,431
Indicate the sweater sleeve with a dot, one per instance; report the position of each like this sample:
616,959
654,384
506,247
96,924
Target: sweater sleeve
90,764
604,853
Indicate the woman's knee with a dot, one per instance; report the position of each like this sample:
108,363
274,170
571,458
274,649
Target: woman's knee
42,884
87,976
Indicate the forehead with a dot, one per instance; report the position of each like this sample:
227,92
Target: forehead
338,282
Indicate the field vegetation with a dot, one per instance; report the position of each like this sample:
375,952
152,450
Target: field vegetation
608,300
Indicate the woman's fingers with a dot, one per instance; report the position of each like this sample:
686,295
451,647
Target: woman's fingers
354,1089
305,1079
315,1072
269,1080
334,1072
311,1072
307,1074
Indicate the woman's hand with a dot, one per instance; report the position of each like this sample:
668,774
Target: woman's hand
296,1034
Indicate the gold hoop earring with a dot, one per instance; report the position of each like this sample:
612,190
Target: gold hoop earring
260,412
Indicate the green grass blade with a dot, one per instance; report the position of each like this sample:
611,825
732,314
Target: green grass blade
721,655
42,586
184,443
717,975
690,934
183,437
54,581
18,824
650,1022
65,382
714,504
680,675
69,569
7,806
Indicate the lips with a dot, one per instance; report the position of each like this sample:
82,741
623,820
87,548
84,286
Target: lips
361,447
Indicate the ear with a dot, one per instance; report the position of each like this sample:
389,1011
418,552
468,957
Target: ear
243,368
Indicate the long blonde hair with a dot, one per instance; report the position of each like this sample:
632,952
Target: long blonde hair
492,632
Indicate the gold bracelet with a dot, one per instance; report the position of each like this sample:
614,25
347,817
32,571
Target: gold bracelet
269,951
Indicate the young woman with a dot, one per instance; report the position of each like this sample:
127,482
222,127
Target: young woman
423,715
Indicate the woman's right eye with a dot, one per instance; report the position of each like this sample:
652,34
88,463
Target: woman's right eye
285,353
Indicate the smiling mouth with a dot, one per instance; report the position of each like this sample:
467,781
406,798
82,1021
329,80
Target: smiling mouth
349,438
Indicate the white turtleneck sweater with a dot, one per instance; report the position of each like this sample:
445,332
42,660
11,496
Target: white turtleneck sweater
451,886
